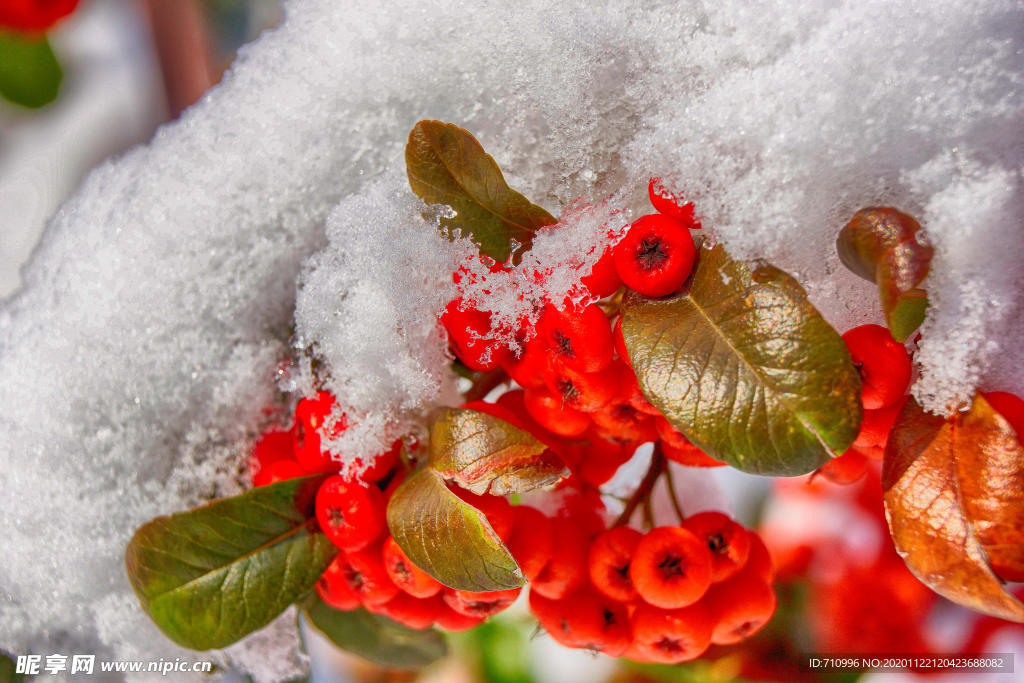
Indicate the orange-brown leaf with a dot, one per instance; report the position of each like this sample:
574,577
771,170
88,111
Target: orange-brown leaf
954,497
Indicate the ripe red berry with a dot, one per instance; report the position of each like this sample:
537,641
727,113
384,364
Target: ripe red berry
603,279
499,512
450,620
528,368
310,416
669,204
875,427
34,16
333,588
404,574
278,471
409,611
532,541
728,542
586,620
740,607
272,447
466,327
580,340
608,562
1010,407
599,459
671,567
690,456
567,569
485,604
351,514
586,392
366,576
550,411
671,636
656,255
883,363
759,561
668,434
380,466
846,468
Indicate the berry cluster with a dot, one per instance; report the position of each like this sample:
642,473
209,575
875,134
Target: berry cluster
660,596
33,16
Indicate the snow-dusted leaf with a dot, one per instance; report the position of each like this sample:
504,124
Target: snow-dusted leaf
446,165
448,538
884,245
954,497
746,367
376,638
211,575
485,454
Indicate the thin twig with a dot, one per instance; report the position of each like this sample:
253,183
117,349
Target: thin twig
672,491
643,491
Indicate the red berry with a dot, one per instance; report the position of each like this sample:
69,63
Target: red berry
450,620
583,391
410,611
586,621
656,255
381,465
333,588
528,368
874,429
499,512
728,542
480,604
34,16
580,340
599,459
608,562
532,541
404,574
620,421
669,204
671,636
883,363
668,434
310,416
567,569
603,279
740,607
367,577
278,471
690,456
349,513
846,468
759,561
671,567
466,327
272,447
549,409
1010,407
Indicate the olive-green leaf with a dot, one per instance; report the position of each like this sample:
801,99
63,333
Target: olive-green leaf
448,538
446,165
376,638
211,575
29,72
745,367
485,454
886,246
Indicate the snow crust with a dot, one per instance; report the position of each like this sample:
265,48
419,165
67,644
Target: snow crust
170,293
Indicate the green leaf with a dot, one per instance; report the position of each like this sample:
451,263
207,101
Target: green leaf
375,638
446,165
448,538
885,246
29,72
746,368
211,575
8,670
485,454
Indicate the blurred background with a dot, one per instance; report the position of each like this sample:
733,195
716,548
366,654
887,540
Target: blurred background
105,76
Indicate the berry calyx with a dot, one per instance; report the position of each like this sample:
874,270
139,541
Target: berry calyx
671,636
656,255
580,340
671,567
728,542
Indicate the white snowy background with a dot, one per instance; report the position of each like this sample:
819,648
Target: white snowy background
145,336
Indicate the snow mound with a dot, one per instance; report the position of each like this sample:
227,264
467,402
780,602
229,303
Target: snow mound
141,353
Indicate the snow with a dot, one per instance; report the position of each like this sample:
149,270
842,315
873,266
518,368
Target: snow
274,217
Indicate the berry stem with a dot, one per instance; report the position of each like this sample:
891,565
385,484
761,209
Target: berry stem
672,490
643,491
